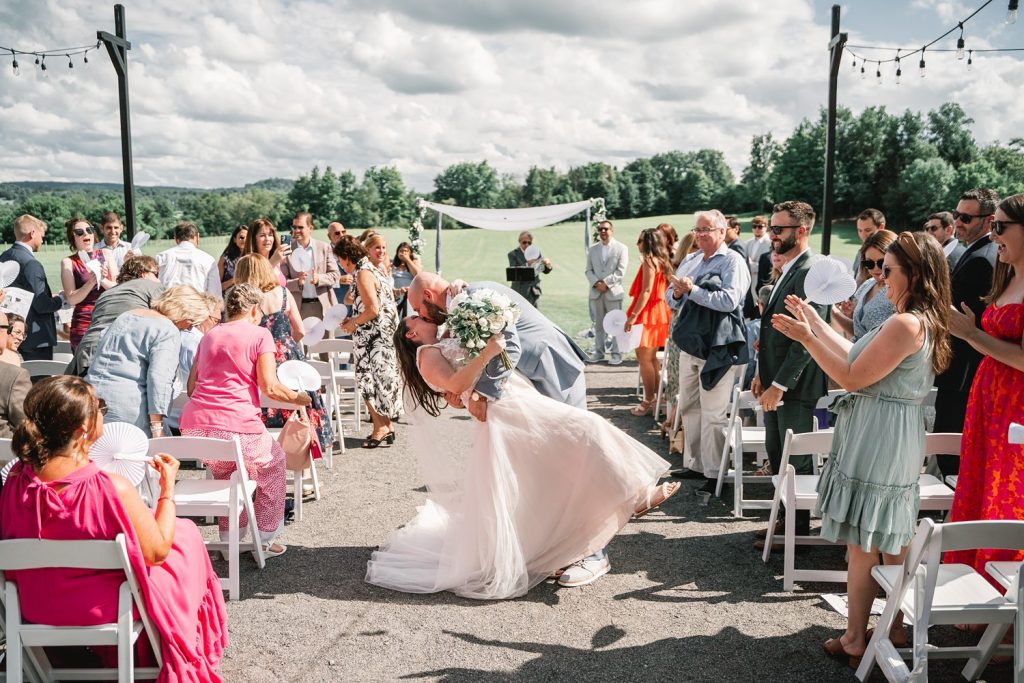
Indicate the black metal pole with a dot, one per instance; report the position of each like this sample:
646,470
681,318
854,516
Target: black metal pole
117,48
835,47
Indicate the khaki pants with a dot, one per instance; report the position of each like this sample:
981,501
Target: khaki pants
705,414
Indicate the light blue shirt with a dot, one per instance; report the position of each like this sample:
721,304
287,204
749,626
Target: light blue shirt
725,263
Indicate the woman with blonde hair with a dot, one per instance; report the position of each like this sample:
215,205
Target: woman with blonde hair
136,359
280,315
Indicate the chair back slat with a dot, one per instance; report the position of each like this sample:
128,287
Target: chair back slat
990,533
195,448
809,443
942,442
333,346
33,553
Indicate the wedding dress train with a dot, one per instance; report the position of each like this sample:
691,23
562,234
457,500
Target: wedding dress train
542,485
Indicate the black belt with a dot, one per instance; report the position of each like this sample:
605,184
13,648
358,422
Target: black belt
309,301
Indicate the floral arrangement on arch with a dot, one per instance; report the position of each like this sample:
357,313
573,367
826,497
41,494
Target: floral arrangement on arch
598,213
416,229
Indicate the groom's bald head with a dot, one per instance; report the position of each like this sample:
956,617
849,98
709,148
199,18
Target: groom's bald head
427,295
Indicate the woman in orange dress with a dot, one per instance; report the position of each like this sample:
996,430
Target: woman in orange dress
650,310
991,479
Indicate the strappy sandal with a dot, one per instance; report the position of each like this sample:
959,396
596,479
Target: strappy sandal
667,489
833,647
901,642
644,408
268,550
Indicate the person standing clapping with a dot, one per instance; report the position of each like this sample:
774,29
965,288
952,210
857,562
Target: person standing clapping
868,493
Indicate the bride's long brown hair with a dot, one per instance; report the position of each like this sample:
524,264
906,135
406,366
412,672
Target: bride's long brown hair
428,399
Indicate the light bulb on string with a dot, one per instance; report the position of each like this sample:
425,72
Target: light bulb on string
921,63
970,59
14,63
854,63
85,57
899,72
960,43
37,60
1011,12
863,74
71,64
42,64
878,72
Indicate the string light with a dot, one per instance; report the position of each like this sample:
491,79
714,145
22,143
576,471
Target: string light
970,59
14,63
921,64
878,72
42,64
39,56
863,75
71,64
960,43
1011,12
899,71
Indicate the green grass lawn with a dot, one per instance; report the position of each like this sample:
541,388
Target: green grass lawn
473,254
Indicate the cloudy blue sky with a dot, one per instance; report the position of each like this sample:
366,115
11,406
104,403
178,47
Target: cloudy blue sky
225,93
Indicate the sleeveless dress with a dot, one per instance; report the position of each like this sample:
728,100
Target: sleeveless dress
375,359
286,348
182,595
656,314
867,315
83,309
542,485
868,491
991,480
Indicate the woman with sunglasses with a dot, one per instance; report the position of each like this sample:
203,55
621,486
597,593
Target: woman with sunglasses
868,495
991,479
869,306
80,283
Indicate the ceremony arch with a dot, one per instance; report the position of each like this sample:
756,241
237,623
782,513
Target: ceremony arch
511,220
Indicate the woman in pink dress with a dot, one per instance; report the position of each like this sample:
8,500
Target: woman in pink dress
56,492
262,239
79,282
991,479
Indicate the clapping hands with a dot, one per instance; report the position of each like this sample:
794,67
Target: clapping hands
796,327
962,324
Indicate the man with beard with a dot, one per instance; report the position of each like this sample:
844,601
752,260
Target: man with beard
786,374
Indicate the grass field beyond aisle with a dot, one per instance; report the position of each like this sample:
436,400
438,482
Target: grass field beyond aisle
473,254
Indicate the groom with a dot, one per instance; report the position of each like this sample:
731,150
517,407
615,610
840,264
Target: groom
541,352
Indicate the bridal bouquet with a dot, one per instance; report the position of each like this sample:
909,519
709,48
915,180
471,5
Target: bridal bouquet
475,317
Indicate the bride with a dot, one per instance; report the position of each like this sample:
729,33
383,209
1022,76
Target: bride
542,485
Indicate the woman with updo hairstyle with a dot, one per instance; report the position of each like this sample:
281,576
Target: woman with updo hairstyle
137,357
234,363
868,493
372,324
55,492
81,285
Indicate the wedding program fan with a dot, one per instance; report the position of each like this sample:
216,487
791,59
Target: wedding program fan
532,252
123,449
615,325
298,375
335,314
8,273
828,282
314,330
138,242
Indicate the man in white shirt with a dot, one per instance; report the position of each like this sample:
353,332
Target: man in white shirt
606,266
115,249
185,264
757,245
311,269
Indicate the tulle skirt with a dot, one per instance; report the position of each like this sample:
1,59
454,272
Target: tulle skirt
544,484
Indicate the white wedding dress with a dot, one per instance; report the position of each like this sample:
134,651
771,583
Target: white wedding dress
544,484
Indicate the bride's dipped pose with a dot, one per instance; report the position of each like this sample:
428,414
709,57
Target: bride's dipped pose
543,484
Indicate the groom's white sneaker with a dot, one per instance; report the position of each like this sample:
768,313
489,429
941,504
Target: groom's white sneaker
585,571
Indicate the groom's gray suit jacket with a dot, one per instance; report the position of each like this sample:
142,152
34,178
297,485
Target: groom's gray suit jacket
540,351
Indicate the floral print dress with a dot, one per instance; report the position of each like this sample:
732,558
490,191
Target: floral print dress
375,358
286,348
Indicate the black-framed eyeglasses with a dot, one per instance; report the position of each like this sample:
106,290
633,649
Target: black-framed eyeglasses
82,232
102,406
777,229
887,271
868,264
999,227
966,218
7,328
603,229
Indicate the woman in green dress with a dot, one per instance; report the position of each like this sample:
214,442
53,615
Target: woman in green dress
868,494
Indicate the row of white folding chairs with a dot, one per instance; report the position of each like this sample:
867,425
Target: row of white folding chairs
935,593
339,352
800,492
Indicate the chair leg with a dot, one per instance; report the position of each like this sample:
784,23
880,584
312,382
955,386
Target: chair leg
789,548
15,672
233,532
297,491
987,646
316,480
125,651
772,517
723,466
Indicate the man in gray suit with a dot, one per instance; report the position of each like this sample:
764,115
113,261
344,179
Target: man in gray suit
606,266
539,351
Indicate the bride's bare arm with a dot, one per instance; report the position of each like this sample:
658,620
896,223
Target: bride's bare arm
439,373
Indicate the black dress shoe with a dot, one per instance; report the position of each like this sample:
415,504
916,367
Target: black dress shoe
687,474
709,487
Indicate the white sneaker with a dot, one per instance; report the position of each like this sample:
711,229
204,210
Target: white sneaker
585,571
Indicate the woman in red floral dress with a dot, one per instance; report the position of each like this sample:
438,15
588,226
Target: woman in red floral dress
991,480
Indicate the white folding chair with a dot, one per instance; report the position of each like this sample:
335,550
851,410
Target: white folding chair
936,495
64,358
44,368
798,492
63,346
28,639
299,478
740,439
935,593
216,497
340,351
662,378
327,382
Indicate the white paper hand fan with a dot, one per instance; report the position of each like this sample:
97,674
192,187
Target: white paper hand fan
9,273
96,268
1016,433
629,341
138,242
123,449
298,375
299,261
85,257
828,282
532,252
335,314
615,322
314,330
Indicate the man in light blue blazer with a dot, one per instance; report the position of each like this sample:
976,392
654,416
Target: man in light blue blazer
606,266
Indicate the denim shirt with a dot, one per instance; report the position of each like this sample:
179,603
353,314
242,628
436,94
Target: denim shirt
728,265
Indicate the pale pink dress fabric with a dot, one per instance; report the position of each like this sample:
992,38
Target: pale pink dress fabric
182,595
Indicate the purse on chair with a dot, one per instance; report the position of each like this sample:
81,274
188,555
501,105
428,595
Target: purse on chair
296,438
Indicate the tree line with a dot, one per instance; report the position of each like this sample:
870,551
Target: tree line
908,165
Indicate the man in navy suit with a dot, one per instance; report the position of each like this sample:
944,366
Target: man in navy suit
970,282
40,329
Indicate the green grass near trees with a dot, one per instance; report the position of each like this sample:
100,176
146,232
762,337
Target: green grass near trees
473,254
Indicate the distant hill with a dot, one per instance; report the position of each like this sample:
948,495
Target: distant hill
23,188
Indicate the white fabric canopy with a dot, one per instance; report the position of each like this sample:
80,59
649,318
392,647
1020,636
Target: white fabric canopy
510,219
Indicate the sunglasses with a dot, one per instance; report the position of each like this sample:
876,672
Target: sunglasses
102,406
704,231
999,227
777,229
868,264
526,243
82,232
966,218
887,271
603,229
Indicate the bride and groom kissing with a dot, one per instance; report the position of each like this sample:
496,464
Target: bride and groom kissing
545,484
